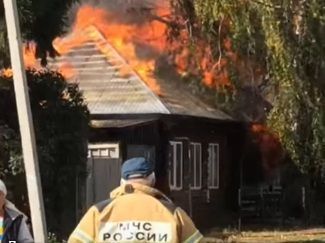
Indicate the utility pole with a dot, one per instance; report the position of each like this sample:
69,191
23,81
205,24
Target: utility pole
25,123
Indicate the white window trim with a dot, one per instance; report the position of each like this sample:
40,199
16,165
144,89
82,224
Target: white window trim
218,166
103,146
195,187
172,186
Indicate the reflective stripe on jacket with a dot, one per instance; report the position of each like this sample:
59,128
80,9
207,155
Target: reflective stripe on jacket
135,213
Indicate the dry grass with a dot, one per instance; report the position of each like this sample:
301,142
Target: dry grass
308,235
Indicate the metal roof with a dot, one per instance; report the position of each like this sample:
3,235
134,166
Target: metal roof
119,123
107,91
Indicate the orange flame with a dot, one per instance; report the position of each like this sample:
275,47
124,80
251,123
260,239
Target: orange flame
6,72
126,38
31,61
148,38
200,57
29,51
67,71
29,57
214,73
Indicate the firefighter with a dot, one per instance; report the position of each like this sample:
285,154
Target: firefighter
136,212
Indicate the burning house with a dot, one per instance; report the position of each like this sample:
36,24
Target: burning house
195,147
135,111
116,52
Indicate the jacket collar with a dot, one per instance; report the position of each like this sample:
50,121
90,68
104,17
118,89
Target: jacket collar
12,214
138,188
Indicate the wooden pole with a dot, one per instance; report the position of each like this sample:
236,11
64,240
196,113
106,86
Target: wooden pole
25,123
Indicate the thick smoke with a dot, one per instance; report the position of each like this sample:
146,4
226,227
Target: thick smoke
124,11
127,12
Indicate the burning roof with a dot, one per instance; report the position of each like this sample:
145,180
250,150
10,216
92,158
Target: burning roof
111,86
112,50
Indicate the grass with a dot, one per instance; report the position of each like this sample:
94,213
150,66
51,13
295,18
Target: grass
315,235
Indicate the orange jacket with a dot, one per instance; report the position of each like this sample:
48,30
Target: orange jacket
135,213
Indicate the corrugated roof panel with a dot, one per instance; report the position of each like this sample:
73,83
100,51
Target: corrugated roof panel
119,123
107,91
104,89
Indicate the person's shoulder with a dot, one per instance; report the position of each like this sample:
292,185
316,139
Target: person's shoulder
13,214
169,205
189,232
100,206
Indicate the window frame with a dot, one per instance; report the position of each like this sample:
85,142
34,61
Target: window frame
193,173
100,148
172,164
216,145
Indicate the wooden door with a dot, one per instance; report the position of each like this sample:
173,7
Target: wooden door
104,172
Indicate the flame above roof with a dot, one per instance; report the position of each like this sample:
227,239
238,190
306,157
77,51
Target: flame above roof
110,86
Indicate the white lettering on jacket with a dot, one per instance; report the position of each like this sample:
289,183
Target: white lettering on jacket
135,231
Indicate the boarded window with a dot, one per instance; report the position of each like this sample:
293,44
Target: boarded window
213,166
196,165
176,165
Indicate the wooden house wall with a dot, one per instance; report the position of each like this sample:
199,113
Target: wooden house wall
216,205
145,134
207,207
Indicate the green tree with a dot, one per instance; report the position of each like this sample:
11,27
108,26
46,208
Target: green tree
61,123
60,117
40,21
283,40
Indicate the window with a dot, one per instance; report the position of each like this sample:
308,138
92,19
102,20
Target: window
213,166
176,165
103,151
196,165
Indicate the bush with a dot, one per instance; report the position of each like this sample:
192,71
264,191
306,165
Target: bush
61,122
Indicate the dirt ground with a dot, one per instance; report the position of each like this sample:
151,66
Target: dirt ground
314,235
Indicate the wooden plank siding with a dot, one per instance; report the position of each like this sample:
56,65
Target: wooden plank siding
208,207
212,204
148,134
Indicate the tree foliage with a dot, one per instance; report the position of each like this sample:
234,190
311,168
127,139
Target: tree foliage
59,112
283,41
40,21
61,123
